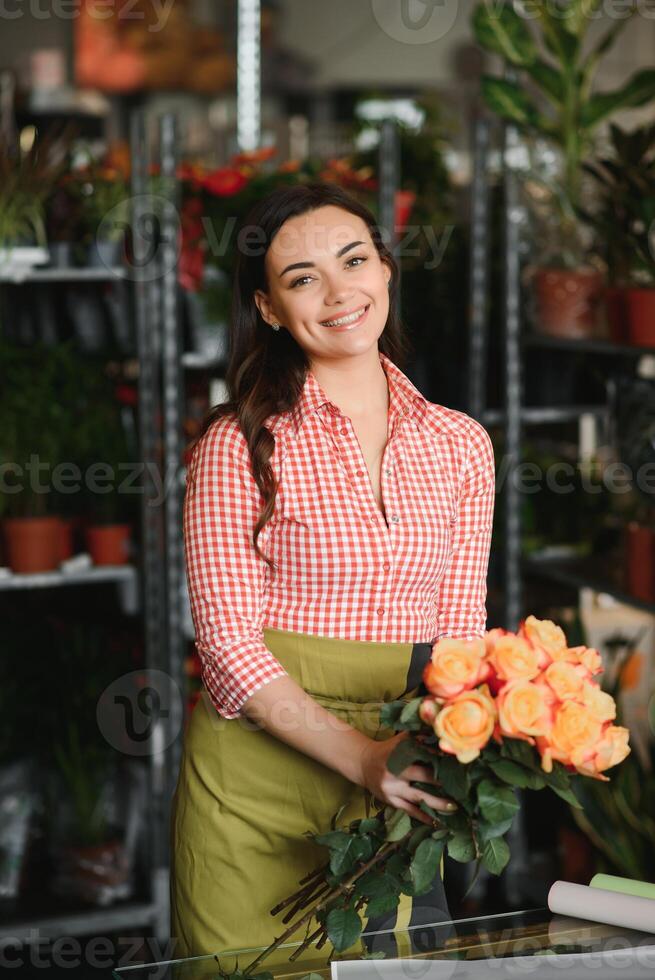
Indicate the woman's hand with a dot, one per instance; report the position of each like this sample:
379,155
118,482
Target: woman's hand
396,790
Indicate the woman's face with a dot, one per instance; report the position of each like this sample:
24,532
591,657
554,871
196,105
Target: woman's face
322,266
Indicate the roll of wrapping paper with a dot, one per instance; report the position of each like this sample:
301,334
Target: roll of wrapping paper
627,886
602,905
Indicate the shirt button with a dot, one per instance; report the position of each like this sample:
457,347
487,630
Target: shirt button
388,471
360,472
394,518
344,432
387,566
380,611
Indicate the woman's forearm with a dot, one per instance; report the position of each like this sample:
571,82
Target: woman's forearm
287,711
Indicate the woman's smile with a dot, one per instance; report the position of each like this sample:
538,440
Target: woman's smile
348,320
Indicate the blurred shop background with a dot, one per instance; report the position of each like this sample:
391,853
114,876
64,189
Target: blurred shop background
511,162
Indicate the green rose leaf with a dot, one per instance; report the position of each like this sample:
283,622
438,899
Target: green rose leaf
409,714
373,884
346,858
390,713
425,865
420,834
454,778
485,831
382,904
398,825
343,928
520,751
461,847
497,803
406,753
495,855
566,793
370,825
336,840
514,774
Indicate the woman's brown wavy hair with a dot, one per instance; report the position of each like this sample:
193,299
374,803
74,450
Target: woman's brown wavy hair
266,369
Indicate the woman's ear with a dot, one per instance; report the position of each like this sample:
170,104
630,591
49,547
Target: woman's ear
263,305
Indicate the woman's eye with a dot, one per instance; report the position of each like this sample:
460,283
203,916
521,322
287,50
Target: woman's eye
355,258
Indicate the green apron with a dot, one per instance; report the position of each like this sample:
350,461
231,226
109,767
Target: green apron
245,799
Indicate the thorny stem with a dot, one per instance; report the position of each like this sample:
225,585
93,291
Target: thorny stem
301,894
303,901
341,889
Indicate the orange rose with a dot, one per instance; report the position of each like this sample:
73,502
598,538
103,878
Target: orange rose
574,735
428,710
545,635
456,666
600,703
565,680
465,725
524,710
513,658
590,659
612,749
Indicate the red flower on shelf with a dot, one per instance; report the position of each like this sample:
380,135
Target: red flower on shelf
224,182
255,156
126,395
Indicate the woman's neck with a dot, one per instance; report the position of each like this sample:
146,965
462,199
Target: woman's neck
356,385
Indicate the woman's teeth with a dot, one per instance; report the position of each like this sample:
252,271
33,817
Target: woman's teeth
345,319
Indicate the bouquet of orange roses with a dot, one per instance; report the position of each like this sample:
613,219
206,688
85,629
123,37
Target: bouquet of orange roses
506,711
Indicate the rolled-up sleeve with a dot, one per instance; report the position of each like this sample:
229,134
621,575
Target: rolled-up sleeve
225,576
461,600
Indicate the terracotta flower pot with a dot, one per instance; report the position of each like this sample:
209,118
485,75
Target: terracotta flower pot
32,544
109,544
97,873
640,561
641,316
66,531
617,314
567,300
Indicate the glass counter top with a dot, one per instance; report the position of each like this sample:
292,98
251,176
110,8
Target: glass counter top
525,933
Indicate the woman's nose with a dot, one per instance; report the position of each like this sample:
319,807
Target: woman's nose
337,290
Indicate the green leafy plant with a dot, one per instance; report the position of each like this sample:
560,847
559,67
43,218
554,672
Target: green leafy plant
625,213
83,768
35,418
553,95
26,181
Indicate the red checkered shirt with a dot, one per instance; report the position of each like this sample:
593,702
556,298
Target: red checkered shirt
343,570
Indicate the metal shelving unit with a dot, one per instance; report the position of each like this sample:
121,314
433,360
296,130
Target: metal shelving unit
514,414
55,275
147,588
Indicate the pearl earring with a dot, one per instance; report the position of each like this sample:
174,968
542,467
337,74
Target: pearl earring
276,326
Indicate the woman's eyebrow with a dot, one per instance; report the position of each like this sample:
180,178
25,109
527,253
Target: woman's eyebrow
309,265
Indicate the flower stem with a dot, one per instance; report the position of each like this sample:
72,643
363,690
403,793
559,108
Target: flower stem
341,889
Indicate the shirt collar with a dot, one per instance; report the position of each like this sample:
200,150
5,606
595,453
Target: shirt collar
405,400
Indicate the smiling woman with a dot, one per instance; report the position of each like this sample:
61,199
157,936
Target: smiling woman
336,524
345,288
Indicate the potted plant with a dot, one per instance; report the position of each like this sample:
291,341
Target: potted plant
26,180
102,189
33,420
90,860
63,223
105,453
554,99
624,216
